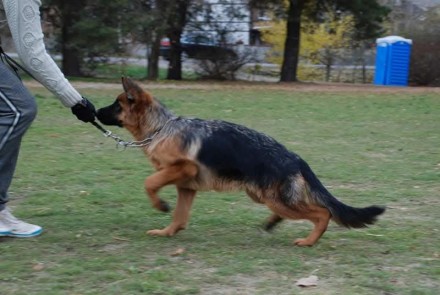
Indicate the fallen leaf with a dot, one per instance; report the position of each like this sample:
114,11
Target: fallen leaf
310,281
178,252
121,239
373,235
38,266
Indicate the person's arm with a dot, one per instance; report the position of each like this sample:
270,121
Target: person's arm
25,23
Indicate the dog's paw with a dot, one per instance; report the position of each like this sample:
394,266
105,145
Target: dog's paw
272,222
303,243
160,232
164,206
269,226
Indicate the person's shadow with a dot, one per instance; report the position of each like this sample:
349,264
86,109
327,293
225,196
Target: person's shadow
4,239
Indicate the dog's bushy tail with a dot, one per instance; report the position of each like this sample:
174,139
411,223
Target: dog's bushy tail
341,213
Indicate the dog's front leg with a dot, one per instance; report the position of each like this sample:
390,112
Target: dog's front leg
174,174
153,184
165,176
181,214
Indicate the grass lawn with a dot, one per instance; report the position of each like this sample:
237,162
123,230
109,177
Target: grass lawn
367,146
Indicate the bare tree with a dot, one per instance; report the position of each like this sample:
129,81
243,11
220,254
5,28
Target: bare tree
176,22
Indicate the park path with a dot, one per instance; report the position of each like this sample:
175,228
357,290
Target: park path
276,86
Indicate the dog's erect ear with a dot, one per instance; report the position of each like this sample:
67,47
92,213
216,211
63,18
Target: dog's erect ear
131,88
127,83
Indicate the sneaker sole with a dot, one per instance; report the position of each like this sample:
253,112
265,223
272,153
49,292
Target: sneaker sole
4,233
15,235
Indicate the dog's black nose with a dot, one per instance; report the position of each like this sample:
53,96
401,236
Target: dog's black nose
99,115
108,117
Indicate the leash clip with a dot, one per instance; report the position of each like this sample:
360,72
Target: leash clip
121,145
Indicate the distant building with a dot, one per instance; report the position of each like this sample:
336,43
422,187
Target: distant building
226,21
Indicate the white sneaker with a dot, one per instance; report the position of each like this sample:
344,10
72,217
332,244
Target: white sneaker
12,227
4,230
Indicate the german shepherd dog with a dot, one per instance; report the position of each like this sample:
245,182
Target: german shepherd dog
199,155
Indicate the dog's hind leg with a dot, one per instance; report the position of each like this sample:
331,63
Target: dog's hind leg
168,175
255,197
318,215
320,218
181,214
271,222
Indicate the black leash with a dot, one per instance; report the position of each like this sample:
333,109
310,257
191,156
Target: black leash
15,66
102,129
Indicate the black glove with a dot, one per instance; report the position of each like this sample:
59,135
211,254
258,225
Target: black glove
84,111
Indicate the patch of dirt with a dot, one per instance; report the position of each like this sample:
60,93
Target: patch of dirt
116,247
246,285
298,86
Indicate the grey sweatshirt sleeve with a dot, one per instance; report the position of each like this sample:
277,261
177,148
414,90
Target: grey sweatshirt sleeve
23,18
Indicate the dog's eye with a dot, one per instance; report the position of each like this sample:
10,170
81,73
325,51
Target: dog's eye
130,98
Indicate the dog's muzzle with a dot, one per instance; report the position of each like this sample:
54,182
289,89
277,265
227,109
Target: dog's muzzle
109,115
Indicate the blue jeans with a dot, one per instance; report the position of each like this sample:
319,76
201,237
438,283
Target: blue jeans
17,111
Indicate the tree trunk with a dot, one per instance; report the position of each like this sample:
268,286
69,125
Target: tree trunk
328,61
161,12
177,23
71,63
364,69
291,46
153,59
328,69
175,64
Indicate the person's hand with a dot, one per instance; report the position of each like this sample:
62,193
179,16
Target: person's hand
84,111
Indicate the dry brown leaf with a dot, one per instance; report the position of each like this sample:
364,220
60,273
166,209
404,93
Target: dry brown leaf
310,281
38,266
178,252
121,239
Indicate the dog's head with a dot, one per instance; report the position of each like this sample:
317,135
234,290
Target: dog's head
129,107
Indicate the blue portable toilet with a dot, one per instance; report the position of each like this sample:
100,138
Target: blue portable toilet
392,61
